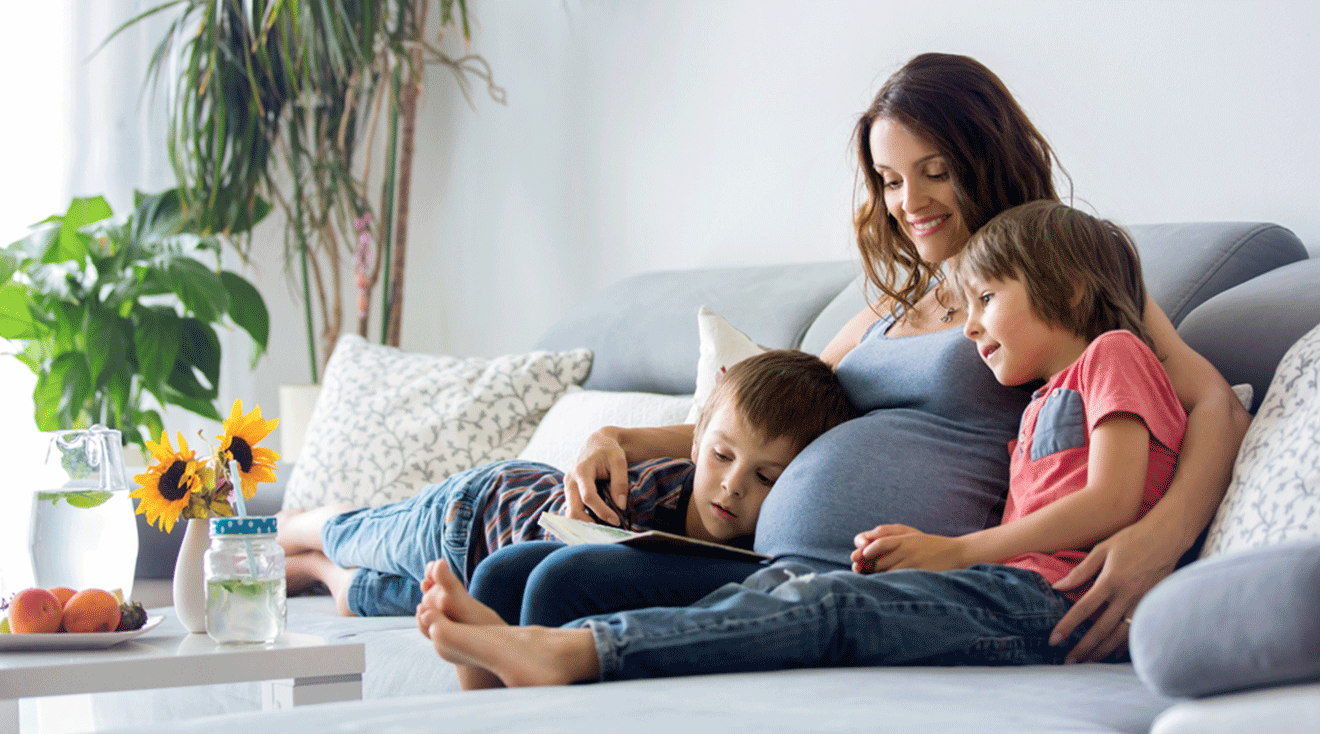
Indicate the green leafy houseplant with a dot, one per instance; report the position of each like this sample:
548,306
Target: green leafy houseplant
284,99
118,316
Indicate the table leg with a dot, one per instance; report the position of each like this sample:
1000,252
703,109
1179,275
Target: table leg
290,692
9,716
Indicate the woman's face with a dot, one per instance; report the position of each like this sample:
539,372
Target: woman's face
918,188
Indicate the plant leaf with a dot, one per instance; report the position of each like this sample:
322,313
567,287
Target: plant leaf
248,310
157,335
200,289
108,345
62,392
15,319
70,244
157,216
199,347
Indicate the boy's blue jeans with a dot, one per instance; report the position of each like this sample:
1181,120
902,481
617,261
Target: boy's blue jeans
391,545
787,616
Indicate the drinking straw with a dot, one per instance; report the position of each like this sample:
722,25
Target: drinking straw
241,509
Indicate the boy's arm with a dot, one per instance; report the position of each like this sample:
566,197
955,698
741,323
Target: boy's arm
606,455
1111,500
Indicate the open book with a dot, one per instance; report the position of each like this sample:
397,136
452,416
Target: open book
575,532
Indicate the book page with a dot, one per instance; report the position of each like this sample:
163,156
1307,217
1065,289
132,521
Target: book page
575,532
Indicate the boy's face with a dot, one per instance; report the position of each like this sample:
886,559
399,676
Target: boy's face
735,470
1013,341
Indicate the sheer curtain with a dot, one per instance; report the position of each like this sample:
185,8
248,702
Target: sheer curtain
78,123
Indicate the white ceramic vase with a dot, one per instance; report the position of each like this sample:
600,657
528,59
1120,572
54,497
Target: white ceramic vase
189,576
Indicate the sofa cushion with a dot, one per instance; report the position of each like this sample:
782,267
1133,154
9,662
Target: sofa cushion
640,329
1245,330
1186,264
722,346
1232,622
1274,493
564,430
388,422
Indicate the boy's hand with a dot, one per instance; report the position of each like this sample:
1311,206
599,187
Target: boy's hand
602,457
888,547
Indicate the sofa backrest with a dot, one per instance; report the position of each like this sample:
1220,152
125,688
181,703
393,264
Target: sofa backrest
643,330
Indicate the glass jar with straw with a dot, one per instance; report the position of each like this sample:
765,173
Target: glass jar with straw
245,587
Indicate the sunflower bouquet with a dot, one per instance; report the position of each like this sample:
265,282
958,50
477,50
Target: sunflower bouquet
178,484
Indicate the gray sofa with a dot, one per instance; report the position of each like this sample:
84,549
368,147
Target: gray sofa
1240,293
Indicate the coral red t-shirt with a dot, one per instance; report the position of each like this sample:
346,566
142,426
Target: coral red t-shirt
1116,374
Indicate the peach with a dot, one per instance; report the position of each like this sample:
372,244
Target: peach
34,611
63,593
91,610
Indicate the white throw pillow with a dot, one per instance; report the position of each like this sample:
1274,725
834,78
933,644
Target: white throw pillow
1274,494
722,346
579,413
388,422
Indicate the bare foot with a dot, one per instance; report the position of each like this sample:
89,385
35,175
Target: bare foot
519,656
301,570
299,531
446,598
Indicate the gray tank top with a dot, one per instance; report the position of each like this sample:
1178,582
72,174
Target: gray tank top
930,451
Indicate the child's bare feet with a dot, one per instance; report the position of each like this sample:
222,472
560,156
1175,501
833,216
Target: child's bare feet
299,531
301,570
488,653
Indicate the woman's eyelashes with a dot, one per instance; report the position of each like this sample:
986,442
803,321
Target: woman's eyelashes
891,182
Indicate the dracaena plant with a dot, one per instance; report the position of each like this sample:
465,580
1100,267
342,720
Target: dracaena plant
283,99
117,316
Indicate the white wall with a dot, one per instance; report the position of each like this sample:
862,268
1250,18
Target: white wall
645,134
672,134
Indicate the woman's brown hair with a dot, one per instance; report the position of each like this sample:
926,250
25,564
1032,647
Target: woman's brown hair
1080,272
996,157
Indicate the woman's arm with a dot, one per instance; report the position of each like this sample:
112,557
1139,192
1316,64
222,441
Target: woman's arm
1136,558
607,454
849,336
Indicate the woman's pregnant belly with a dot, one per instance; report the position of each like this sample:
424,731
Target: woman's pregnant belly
890,466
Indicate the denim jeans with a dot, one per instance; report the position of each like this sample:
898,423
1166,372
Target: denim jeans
391,545
788,616
549,584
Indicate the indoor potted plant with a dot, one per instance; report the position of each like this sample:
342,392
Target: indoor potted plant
117,316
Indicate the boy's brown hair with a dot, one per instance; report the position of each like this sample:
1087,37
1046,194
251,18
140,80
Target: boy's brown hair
1080,272
782,392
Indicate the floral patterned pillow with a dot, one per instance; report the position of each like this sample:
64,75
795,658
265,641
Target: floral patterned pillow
387,422
1274,495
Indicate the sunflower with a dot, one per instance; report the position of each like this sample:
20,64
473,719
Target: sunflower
239,444
167,487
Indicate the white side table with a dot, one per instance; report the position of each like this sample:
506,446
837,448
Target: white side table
297,669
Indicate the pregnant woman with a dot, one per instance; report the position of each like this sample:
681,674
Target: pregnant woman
943,148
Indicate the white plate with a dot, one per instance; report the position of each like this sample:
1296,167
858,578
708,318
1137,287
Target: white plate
74,640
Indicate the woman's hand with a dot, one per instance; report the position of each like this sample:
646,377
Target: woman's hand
888,547
602,457
1129,563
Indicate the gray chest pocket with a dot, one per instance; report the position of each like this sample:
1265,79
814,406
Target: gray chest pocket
1060,425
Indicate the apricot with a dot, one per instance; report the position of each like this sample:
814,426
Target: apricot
63,593
34,611
91,610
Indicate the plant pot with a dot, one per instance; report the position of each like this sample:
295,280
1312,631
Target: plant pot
296,405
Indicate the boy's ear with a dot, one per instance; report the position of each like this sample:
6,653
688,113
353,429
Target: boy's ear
696,445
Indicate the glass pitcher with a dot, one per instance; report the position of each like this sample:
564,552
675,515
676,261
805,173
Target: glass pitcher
84,534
